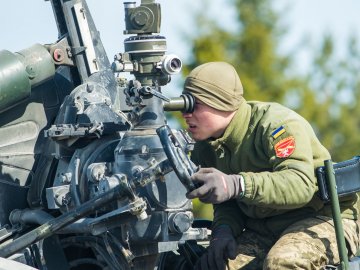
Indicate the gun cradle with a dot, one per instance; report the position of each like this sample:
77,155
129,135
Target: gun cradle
86,180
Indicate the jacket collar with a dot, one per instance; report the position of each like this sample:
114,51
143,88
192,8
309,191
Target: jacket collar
237,128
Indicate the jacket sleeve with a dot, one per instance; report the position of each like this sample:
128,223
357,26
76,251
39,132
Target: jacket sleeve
229,213
293,157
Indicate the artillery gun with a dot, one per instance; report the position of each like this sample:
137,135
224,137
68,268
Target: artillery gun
92,177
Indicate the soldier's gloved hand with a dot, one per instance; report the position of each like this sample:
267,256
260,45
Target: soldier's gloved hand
222,247
215,186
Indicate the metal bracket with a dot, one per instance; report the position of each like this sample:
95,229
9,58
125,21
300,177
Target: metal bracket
61,52
65,131
86,37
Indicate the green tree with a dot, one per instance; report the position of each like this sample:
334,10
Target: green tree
334,83
252,49
268,75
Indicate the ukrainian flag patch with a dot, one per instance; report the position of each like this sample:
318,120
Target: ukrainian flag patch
278,132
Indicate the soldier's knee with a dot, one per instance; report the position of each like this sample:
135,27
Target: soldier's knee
277,262
290,259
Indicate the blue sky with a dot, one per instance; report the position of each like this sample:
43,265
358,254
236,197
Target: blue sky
25,22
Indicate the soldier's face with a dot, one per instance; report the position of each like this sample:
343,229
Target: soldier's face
206,122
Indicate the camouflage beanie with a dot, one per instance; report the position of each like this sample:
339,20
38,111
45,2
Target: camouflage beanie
217,84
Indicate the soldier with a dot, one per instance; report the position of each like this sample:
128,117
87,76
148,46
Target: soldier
257,169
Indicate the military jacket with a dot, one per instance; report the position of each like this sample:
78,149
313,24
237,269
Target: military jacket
276,152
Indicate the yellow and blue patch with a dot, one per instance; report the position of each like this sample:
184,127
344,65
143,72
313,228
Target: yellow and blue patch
277,132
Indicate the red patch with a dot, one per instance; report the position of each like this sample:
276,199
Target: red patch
285,147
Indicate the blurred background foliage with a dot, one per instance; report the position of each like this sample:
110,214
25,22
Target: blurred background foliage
326,94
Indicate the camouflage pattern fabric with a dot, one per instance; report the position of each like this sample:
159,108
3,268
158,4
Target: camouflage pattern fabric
307,244
252,250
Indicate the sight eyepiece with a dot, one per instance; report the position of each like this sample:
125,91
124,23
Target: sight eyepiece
185,103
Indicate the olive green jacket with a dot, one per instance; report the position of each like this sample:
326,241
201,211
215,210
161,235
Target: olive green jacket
279,189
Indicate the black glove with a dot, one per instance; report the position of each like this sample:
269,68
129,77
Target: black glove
215,186
222,247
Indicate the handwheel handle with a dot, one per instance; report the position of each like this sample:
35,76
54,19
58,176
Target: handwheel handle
182,165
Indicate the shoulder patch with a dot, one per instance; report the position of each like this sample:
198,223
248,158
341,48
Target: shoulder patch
285,147
277,132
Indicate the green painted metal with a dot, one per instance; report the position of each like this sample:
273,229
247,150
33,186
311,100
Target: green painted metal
38,63
335,207
14,82
22,70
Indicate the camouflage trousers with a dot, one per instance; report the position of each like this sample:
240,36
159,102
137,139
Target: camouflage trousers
306,244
